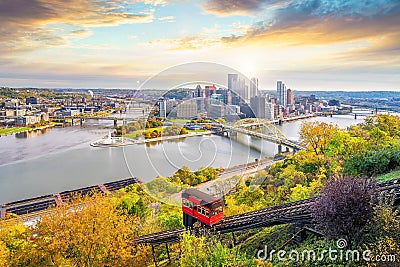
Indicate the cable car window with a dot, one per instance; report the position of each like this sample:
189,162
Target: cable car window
187,203
216,211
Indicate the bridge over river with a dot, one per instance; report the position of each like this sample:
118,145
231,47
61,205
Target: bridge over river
260,128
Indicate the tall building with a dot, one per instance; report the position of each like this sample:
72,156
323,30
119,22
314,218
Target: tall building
200,102
282,94
162,104
232,80
290,97
238,85
199,91
216,111
277,111
209,90
224,94
270,111
217,99
187,110
228,97
253,87
257,104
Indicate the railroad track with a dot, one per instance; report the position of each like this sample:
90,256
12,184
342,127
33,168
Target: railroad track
294,212
41,203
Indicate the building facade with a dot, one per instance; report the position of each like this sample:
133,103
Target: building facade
281,93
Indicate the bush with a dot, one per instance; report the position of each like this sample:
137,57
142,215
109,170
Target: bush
345,207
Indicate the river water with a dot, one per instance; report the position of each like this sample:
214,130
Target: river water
59,159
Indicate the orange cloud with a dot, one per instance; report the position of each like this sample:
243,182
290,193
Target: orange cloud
238,7
25,23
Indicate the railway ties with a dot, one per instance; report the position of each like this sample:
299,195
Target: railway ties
281,214
161,237
41,203
294,212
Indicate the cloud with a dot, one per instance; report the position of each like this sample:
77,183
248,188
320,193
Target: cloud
384,50
184,43
238,7
167,19
313,22
26,24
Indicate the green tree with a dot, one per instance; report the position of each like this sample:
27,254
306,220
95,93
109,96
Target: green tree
315,135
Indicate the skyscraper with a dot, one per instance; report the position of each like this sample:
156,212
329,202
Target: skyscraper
290,97
257,104
209,90
199,91
270,111
281,93
162,104
232,80
253,87
238,85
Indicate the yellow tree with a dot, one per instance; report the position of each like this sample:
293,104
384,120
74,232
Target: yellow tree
14,243
4,254
89,231
315,135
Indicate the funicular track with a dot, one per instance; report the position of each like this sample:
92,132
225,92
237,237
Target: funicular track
294,212
41,203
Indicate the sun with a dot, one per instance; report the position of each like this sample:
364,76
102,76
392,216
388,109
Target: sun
248,69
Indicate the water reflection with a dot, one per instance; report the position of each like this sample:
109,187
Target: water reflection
32,133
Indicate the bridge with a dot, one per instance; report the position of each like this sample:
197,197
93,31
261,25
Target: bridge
263,129
82,118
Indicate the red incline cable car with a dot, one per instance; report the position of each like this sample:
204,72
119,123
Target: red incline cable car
202,207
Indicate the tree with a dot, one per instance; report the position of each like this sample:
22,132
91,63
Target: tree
170,217
89,231
4,255
183,131
14,244
315,135
384,122
386,231
345,207
201,252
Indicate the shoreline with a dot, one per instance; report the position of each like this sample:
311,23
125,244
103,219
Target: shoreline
28,130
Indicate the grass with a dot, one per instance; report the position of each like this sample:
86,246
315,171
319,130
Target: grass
179,121
7,131
389,176
196,131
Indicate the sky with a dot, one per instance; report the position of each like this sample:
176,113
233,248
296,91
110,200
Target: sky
308,44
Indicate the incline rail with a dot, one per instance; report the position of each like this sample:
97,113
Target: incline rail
40,203
294,212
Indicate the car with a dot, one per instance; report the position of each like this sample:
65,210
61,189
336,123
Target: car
201,207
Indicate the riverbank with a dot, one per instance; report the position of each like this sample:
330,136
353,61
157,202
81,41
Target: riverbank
15,130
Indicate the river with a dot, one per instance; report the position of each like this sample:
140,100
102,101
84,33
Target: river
59,159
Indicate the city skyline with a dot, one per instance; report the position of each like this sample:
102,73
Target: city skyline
311,45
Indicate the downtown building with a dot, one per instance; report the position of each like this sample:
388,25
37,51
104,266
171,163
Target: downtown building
281,93
290,97
162,107
238,85
186,110
257,104
270,111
